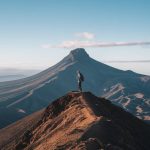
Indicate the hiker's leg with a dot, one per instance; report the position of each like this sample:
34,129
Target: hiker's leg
80,86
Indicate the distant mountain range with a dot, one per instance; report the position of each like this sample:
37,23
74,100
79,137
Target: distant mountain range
77,121
11,77
124,88
9,74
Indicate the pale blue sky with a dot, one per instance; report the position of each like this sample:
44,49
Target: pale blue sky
27,25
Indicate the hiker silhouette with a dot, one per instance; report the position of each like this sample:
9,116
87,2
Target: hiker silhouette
80,79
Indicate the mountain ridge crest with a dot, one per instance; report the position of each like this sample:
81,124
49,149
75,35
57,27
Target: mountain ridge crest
78,121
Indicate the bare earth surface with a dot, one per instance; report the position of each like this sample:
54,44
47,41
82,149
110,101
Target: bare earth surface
77,121
12,133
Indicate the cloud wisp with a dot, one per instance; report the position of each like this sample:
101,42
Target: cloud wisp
85,35
87,39
94,44
127,61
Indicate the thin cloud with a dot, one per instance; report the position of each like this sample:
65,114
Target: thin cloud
46,46
127,61
85,35
94,44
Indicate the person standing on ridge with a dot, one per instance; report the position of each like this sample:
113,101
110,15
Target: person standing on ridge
80,79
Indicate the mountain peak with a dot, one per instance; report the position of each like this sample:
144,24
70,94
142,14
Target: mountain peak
78,54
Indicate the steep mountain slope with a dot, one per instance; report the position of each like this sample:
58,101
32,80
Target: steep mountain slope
13,132
134,101
23,97
80,121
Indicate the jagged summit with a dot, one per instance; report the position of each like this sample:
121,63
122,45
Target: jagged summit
79,121
79,54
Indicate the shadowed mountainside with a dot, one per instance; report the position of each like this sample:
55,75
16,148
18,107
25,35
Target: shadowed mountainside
79,121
